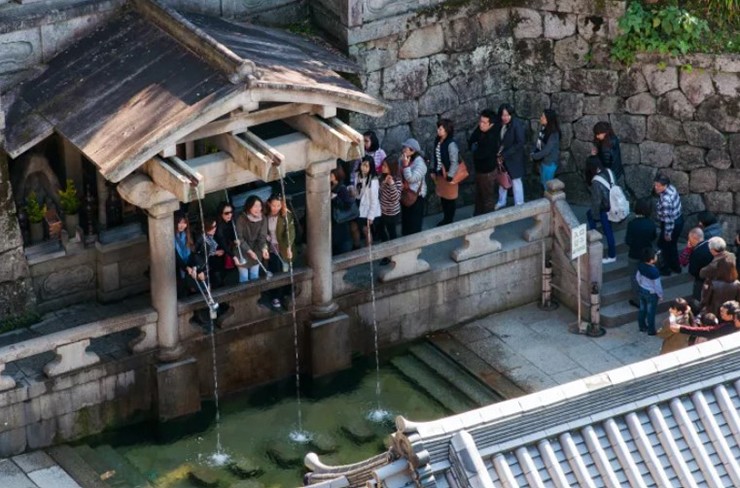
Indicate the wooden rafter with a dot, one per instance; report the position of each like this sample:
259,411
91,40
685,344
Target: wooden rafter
174,176
252,153
330,134
239,122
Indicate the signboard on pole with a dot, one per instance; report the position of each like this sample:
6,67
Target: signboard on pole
578,241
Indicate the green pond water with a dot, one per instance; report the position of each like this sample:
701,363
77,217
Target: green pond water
255,427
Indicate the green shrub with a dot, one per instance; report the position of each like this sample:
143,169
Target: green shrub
34,210
23,320
666,30
69,199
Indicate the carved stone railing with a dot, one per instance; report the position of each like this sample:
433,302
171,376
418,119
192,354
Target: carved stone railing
565,270
71,345
477,233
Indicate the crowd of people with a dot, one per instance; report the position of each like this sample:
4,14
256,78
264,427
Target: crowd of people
233,249
372,195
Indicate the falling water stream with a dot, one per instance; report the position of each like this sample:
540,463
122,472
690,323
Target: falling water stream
299,435
219,457
378,414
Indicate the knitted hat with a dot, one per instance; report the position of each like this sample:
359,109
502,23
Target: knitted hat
412,144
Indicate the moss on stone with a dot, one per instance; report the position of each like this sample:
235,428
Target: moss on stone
451,7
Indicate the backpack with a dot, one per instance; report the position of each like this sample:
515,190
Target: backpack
619,206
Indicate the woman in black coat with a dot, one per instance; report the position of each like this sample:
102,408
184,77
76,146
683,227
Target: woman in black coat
510,132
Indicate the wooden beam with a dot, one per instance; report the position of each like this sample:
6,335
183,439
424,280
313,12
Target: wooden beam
178,181
251,156
240,122
330,136
220,171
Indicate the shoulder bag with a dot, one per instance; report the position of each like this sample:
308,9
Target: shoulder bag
344,215
502,176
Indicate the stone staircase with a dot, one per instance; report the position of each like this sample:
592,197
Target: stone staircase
616,291
437,374
98,467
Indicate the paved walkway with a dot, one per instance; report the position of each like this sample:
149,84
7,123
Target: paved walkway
34,470
535,350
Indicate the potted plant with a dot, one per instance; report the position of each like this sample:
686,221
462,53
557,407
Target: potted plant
70,206
35,213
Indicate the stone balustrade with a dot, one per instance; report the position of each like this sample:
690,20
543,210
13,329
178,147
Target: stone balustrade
476,232
71,345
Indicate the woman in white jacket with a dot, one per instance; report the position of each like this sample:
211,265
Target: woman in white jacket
368,190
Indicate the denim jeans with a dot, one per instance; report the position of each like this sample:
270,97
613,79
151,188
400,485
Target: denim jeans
547,172
606,229
249,274
517,188
648,307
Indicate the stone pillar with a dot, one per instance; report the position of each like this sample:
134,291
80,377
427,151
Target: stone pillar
162,275
102,198
73,165
318,224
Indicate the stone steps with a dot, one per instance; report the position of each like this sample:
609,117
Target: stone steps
445,367
70,460
620,289
621,312
112,468
436,387
500,384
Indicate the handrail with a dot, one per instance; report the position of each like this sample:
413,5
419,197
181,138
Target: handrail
71,344
92,330
452,231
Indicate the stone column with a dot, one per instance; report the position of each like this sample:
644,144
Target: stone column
318,224
102,198
163,283
73,165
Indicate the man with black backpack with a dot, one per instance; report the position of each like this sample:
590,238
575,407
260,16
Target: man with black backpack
670,219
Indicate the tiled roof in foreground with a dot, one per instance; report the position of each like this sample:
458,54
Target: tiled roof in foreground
668,421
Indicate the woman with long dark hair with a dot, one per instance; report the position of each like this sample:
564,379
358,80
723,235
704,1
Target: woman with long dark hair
280,242
413,170
606,148
547,147
226,239
367,190
341,200
189,266
373,149
445,162
251,228
510,132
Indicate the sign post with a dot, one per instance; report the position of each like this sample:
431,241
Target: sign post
579,247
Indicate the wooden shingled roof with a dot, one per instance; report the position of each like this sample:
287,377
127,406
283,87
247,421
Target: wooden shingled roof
152,75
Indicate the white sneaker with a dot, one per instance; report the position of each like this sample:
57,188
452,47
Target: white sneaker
499,206
608,260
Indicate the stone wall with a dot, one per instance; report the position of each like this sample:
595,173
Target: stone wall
16,293
453,59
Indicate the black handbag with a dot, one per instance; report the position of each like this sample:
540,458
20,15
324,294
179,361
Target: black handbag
342,216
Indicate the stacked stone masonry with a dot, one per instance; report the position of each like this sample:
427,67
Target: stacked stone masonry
677,116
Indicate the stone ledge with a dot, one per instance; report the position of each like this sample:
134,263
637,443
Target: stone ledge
20,17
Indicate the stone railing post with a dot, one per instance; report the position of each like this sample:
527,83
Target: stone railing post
70,357
318,224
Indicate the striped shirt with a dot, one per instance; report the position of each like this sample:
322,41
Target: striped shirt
669,209
390,197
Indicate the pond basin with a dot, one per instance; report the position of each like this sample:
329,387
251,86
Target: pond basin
255,426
